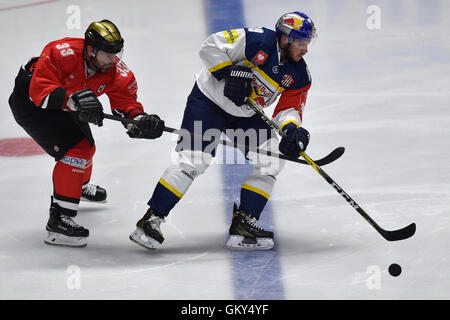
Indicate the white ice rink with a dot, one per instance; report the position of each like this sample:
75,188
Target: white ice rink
383,94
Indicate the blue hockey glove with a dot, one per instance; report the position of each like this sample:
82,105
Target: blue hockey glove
295,140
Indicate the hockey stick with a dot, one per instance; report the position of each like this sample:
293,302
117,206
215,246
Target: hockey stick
393,235
333,156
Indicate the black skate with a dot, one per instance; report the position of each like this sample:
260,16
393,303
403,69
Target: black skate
245,234
148,233
63,231
93,193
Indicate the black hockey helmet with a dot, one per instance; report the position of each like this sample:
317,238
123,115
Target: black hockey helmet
105,36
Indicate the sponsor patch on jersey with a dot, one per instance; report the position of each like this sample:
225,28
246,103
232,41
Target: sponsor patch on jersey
101,88
287,80
260,89
260,101
231,35
260,57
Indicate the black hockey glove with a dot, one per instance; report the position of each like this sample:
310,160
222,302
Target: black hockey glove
295,140
238,84
88,107
150,127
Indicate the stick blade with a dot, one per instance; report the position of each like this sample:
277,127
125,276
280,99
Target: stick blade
401,234
333,156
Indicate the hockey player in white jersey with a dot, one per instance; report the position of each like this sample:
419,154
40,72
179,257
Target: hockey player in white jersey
254,64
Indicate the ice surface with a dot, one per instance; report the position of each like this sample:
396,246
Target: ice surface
383,94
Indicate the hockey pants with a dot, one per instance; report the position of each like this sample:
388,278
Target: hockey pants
193,157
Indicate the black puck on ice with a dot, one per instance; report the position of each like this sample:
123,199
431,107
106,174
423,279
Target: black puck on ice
395,270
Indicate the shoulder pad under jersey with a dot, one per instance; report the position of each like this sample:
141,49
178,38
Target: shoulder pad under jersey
260,43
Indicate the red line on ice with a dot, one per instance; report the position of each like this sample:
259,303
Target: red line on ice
19,147
27,5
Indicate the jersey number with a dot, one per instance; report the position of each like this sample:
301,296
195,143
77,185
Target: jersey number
64,49
122,68
258,30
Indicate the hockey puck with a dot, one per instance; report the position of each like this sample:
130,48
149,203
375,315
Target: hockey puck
395,270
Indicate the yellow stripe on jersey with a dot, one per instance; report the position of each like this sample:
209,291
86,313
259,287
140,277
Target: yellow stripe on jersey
170,188
256,190
264,75
220,66
287,122
231,36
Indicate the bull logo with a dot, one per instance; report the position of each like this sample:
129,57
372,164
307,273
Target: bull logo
294,22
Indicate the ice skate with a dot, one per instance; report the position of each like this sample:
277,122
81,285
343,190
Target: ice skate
93,193
63,230
148,233
245,234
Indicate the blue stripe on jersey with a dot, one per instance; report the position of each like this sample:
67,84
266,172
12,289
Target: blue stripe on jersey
257,274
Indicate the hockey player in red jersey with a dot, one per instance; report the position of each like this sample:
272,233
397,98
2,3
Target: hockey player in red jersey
254,64
55,99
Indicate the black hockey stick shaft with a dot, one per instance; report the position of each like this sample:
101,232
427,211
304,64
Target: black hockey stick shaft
393,235
334,155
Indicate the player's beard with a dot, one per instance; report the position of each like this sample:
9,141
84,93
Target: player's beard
96,66
101,68
290,56
287,54
105,68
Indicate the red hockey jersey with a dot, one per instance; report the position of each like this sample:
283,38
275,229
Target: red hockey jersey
61,70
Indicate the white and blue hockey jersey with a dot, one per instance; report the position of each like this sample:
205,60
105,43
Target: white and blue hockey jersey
258,49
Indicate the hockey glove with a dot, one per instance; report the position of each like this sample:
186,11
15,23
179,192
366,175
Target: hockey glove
238,84
150,127
88,107
295,140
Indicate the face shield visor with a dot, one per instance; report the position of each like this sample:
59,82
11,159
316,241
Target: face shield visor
300,43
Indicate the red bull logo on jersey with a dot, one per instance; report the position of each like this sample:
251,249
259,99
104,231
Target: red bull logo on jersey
260,101
261,89
294,22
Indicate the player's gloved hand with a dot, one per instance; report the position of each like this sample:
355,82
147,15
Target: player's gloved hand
88,107
295,140
238,84
150,127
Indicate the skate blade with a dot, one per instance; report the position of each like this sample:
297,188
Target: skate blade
57,239
92,201
238,243
138,236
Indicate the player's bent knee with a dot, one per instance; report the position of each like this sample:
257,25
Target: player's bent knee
80,156
264,164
